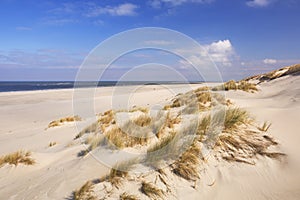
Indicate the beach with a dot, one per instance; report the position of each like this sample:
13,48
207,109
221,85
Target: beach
24,118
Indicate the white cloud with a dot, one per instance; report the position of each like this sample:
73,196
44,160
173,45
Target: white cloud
270,61
160,3
221,51
259,3
126,9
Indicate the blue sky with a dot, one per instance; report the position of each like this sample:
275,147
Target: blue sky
48,40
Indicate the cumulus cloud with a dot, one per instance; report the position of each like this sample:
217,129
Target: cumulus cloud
126,9
221,51
270,61
259,3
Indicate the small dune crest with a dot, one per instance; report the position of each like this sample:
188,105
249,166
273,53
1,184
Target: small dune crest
293,70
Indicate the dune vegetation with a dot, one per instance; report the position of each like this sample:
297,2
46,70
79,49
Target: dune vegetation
16,158
61,121
173,139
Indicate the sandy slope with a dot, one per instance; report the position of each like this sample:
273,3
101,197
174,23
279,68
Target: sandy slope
277,102
25,115
23,119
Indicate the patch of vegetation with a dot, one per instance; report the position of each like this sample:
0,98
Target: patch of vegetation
121,140
120,171
63,120
107,119
151,191
125,196
187,166
19,157
232,85
85,192
142,120
235,117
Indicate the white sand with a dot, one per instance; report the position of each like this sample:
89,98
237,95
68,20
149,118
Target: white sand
59,171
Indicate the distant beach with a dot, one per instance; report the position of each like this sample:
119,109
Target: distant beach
12,86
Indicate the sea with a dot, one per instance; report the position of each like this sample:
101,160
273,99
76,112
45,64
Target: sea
11,86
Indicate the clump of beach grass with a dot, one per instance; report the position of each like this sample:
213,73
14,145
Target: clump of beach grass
142,120
240,85
120,139
151,190
246,86
18,157
120,171
187,166
235,117
85,192
126,196
63,120
106,119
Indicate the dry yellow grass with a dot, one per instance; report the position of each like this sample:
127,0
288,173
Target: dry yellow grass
142,120
240,85
246,86
126,196
151,191
19,157
187,166
200,89
243,146
63,120
85,192
120,171
107,119
121,140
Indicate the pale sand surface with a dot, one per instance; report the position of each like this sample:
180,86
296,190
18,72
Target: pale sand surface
59,171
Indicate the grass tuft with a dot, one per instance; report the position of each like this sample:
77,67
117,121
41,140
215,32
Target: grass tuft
235,117
125,196
187,166
19,157
85,192
63,120
142,120
151,190
120,171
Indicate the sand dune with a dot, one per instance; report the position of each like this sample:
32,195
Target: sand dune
59,170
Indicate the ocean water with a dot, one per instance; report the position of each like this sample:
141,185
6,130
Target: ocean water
10,86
